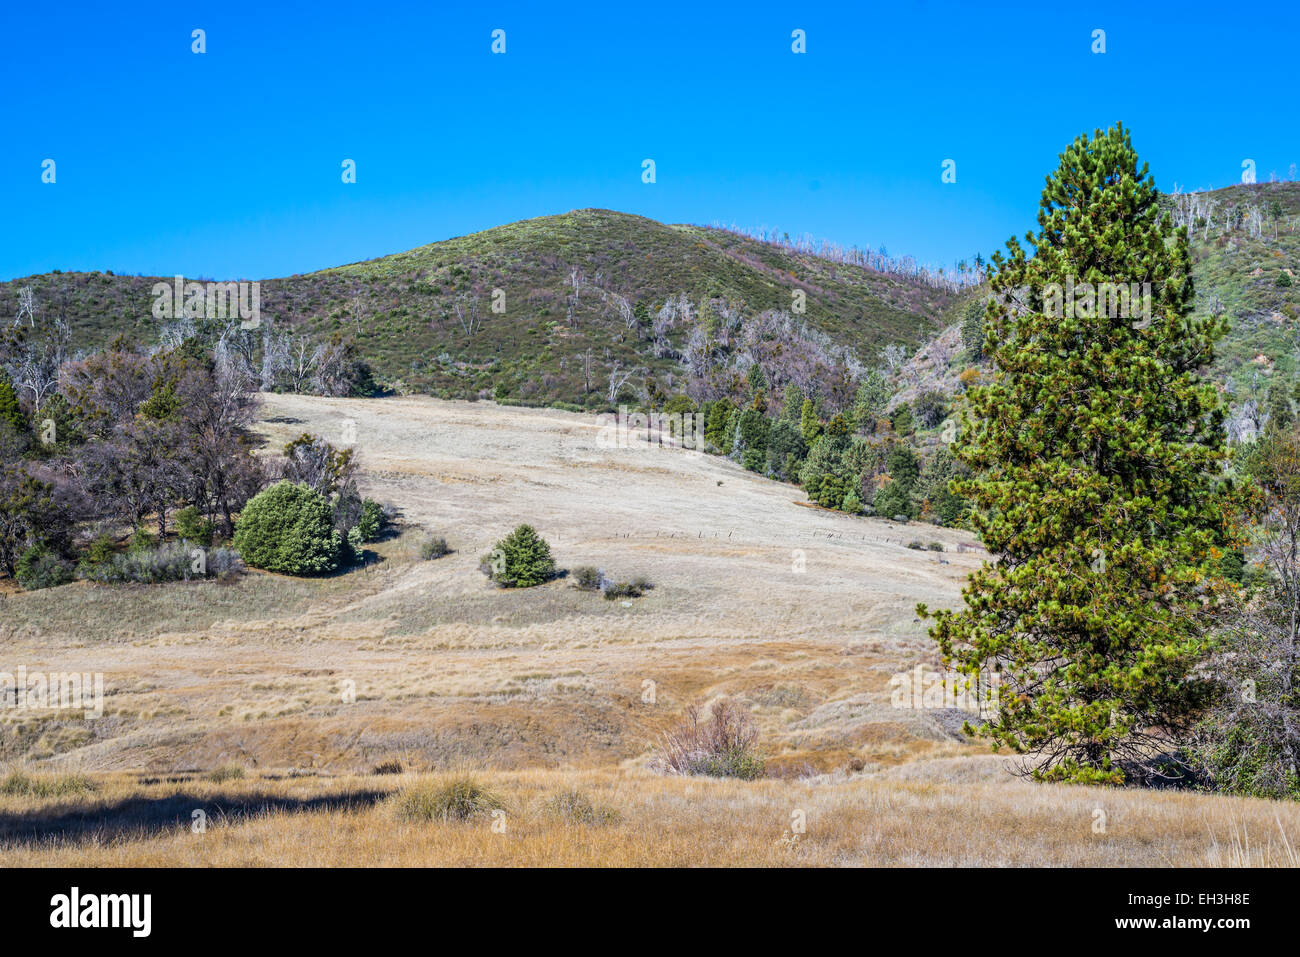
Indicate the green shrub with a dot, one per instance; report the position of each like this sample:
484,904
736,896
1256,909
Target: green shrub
724,745
192,527
11,412
288,528
353,550
829,493
753,427
456,799
892,501
785,450
38,567
520,560
172,561
19,784
99,553
929,409
632,589
901,420
227,772
372,521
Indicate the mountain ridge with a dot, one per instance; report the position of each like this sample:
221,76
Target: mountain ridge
592,295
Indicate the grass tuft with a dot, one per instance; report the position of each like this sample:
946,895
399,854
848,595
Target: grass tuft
22,785
573,806
227,772
454,799
723,745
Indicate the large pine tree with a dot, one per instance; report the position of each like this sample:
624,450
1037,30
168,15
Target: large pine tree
1097,451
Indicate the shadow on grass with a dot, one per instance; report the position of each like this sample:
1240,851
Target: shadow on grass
139,818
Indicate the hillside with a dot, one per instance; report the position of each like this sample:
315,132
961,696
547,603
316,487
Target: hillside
1246,264
229,697
584,293
593,295
1245,248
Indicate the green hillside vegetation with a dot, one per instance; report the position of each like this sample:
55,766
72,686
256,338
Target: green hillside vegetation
1246,265
1245,249
583,298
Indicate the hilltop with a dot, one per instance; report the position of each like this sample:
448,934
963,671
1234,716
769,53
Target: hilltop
598,306
581,294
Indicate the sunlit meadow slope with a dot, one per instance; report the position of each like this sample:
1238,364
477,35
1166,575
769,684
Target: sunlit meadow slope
299,688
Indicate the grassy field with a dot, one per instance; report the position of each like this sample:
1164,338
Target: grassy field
951,813
268,702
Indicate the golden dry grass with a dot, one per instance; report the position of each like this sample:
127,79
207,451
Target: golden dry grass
446,668
646,820
801,615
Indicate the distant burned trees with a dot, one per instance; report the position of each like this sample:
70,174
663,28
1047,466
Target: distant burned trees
36,346
33,512
121,442
296,362
467,314
723,342
618,377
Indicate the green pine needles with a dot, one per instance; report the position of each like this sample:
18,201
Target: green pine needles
1097,453
520,560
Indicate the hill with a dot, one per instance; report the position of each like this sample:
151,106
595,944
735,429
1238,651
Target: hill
1245,244
583,296
1245,249
599,306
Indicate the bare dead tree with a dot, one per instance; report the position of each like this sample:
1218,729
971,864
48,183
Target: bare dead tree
275,355
357,309
26,307
466,307
1249,742
40,352
618,377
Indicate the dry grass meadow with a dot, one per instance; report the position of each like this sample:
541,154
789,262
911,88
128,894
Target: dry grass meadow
267,703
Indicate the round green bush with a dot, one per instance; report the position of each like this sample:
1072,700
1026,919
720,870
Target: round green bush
288,528
520,560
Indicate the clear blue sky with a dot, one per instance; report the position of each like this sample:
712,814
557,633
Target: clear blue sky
227,164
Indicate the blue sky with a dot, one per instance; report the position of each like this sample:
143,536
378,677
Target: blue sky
227,164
